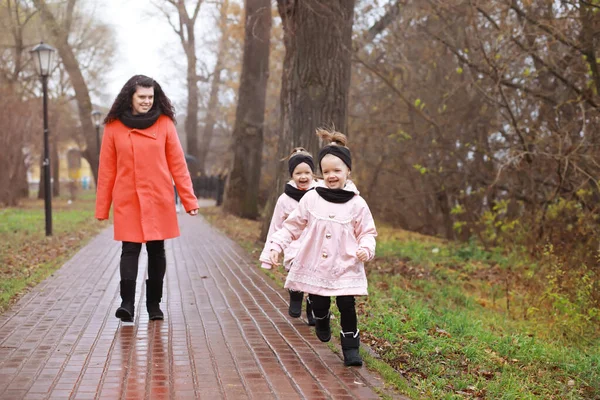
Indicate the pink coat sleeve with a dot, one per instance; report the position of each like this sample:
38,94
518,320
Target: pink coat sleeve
107,173
365,231
292,228
178,169
279,215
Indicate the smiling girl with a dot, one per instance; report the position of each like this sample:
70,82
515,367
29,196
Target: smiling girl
337,234
302,168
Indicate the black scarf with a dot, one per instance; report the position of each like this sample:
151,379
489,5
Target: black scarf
335,195
294,193
140,121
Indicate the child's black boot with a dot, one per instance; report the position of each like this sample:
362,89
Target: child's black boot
322,328
350,345
295,310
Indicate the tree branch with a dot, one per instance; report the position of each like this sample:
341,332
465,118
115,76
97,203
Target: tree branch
399,93
380,25
514,6
537,58
196,10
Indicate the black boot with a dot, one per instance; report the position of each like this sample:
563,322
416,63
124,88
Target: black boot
126,312
350,344
322,328
310,318
295,309
153,297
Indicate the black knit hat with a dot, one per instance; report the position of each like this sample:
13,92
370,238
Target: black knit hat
300,158
341,152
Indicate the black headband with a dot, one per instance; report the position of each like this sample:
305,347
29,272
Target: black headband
341,152
299,159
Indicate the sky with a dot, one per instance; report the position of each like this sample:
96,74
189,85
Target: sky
146,44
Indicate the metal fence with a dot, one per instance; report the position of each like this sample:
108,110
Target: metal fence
210,187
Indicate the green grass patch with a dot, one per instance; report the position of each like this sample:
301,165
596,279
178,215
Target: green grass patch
437,314
27,256
442,345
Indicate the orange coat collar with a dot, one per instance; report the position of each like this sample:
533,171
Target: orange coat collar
149,132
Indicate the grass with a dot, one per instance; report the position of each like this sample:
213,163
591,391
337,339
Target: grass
437,320
27,256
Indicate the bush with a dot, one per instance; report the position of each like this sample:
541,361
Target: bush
559,256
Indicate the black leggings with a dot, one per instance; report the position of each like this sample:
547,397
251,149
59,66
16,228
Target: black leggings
157,262
320,306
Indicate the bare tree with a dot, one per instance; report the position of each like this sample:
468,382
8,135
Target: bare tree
241,194
18,123
185,30
213,100
16,80
479,120
61,30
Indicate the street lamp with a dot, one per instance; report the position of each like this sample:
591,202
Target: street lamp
42,59
97,117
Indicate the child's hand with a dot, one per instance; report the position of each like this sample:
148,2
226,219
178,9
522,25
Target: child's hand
274,257
362,254
265,265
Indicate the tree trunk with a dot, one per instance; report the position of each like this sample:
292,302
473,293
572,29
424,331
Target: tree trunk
82,95
22,182
316,77
588,16
191,118
445,208
41,187
187,36
241,193
213,101
55,166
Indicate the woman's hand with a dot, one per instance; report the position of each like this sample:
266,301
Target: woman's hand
274,257
362,254
193,212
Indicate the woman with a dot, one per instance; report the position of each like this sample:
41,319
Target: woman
140,159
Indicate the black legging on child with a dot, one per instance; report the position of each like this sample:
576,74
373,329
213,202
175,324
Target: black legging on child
320,306
157,262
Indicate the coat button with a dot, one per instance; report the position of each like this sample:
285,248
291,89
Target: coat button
328,236
324,255
154,134
331,216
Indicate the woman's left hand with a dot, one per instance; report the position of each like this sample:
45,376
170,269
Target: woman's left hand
193,212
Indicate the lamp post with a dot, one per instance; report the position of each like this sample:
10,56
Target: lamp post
97,117
42,59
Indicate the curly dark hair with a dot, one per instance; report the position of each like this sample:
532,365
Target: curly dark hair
123,100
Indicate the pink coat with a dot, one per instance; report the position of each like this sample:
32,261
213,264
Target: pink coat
136,174
284,207
326,263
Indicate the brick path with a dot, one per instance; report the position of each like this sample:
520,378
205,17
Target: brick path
226,333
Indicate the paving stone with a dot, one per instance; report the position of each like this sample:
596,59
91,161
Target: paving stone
226,332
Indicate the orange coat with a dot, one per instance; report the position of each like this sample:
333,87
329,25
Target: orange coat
136,166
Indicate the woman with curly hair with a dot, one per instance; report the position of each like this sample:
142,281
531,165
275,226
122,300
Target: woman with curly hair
140,159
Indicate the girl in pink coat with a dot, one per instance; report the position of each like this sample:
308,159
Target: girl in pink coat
338,237
140,159
302,168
